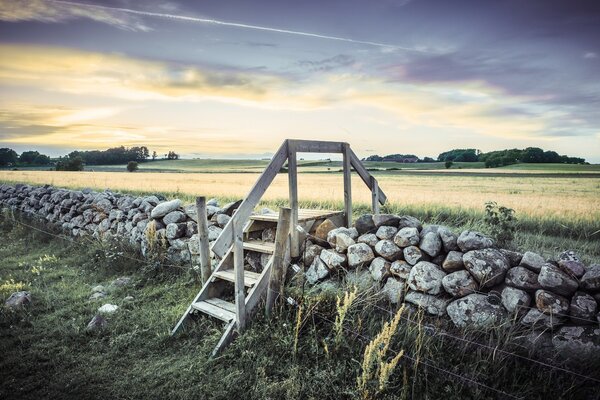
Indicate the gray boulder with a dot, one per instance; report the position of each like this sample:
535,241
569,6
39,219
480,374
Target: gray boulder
18,300
488,266
532,261
393,289
174,217
591,279
368,238
380,269
407,221
513,257
471,240
522,278
453,261
515,300
175,231
342,242
388,250
311,251
536,319
412,255
385,219
408,236
97,323
386,232
555,280
317,271
580,343
364,224
583,308
400,269
332,259
573,268
223,219
431,244
449,239
163,209
551,303
459,283
213,232
476,311
359,254
432,304
426,277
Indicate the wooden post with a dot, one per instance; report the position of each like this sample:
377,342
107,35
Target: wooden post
203,244
375,195
277,276
347,184
238,269
293,184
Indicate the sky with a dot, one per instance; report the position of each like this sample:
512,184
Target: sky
217,78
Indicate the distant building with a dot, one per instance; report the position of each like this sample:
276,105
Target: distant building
406,160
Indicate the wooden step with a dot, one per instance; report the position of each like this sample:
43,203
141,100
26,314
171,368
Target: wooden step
215,307
303,215
250,278
260,246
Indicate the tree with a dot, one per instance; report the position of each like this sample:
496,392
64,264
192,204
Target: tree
448,164
154,155
132,166
466,155
70,164
8,157
28,157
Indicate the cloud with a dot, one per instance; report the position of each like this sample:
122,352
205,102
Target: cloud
590,55
55,12
328,64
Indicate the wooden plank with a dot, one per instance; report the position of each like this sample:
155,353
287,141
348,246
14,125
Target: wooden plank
259,246
225,340
293,186
214,311
238,268
374,195
277,275
240,217
203,244
316,146
250,278
259,289
224,304
347,184
365,176
303,215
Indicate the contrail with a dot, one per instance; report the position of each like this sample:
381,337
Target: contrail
235,25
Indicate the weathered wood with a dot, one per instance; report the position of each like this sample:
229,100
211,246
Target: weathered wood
227,338
277,276
293,189
375,195
203,244
304,215
238,267
250,278
240,217
316,146
366,176
214,309
260,246
347,184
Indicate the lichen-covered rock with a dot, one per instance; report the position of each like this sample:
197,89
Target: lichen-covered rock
400,269
18,300
488,266
175,231
332,259
385,219
568,255
426,277
386,232
551,303
359,254
581,343
222,219
476,311
449,239
471,240
311,251
342,242
583,308
591,279
431,244
432,304
459,283
368,238
97,323
364,224
412,255
537,319
408,236
515,300
324,228
408,221
214,232
532,261
393,289
163,209
514,257
573,268
174,217
332,235
522,278
317,271
388,250
453,261
555,280
380,269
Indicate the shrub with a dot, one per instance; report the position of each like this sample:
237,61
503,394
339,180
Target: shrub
448,164
501,222
132,166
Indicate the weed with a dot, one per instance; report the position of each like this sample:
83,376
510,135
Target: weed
342,307
501,222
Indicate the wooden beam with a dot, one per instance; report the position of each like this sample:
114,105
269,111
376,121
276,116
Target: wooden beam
366,176
203,244
374,195
293,186
316,146
347,185
238,268
240,217
277,276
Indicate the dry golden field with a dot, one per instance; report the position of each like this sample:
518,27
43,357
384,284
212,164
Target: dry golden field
569,199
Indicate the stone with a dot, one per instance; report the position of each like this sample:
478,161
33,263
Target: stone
332,235
408,236
230,208
568,255
591,279
214,232
311,252
191,228
368,238
324,228
386,232
488,266
253,259
432,304
317,271
342,242
580,343
412,255
514,257
537,319
222,220
555,280
121,281
550,303
471,240
128,299
393,289
97,323
515,300
18,300
174,217
388,250
364,224
361,279
108,309
380,269
532,261
583,308
268,235
175,231
449,239
408,221
400,269
426,277
453,261
574,268
332,259
431,244
459,283
385,219
98,289
476,310
97,296
359,254
522,278
163,209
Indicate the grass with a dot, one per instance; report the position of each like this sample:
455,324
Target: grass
46,352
